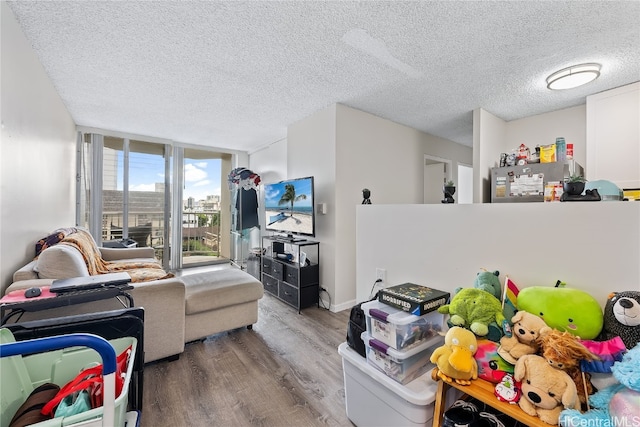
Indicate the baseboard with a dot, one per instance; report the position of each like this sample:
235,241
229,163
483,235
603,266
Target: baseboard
344,306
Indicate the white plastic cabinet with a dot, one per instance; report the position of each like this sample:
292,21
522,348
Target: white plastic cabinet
613,136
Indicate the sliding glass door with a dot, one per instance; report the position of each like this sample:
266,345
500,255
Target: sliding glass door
203,216
148,194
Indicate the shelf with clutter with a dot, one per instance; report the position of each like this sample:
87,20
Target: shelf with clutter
527,355
540,371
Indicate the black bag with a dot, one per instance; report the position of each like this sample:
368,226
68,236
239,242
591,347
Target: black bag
357,325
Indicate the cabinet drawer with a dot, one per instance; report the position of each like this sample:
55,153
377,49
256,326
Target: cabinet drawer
288,294
266,265
277,270
270,284
309,275
291,275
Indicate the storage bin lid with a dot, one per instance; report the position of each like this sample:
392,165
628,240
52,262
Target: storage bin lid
384,312
421,391
400,354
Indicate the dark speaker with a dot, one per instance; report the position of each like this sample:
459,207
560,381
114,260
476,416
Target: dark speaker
278,248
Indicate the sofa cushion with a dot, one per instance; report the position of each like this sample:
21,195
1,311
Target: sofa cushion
60,262
221,288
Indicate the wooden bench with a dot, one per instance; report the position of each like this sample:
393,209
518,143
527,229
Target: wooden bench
483,391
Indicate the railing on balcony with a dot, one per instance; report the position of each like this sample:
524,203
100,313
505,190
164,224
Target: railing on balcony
200,234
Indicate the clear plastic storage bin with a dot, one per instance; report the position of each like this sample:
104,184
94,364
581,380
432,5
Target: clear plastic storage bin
402,366
399,329
374,399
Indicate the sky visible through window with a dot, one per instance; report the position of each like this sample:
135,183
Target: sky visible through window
201,177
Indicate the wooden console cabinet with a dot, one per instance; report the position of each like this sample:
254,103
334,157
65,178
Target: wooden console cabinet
285,276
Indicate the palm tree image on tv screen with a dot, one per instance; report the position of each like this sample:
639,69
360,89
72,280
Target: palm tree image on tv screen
289,196
289,206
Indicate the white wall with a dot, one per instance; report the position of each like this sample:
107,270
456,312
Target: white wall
37,153
388,159
613,136
590,246
311,152
270,162
489,140
347,150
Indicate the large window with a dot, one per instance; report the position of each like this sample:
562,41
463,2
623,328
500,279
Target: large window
139,212
154,194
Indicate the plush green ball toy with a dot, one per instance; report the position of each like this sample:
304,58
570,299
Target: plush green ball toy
564,309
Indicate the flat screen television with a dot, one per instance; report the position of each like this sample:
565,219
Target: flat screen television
288,207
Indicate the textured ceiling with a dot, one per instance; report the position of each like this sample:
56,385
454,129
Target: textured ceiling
235,74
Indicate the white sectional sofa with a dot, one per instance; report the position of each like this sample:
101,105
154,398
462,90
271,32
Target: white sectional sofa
177,309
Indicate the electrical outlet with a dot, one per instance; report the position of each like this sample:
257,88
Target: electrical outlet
381,274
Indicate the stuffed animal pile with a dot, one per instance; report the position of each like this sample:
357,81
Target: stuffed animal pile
556,337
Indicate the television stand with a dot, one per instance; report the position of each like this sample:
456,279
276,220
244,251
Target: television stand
291,270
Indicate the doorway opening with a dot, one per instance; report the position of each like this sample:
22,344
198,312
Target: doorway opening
436,172
465,184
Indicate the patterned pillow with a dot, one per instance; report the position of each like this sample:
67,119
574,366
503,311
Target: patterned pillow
53,239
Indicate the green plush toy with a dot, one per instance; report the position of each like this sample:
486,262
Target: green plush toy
564,309
474,309
487,281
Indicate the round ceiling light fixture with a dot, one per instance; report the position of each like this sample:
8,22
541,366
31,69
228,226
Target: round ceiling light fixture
574,76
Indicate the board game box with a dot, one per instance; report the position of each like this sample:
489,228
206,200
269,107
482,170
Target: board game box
412,298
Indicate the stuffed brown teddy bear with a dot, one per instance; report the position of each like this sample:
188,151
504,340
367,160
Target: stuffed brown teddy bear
546,391
525,333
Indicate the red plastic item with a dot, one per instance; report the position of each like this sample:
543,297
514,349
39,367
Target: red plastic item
508,390
18,295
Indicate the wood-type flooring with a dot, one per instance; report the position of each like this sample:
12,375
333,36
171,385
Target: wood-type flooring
286,371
